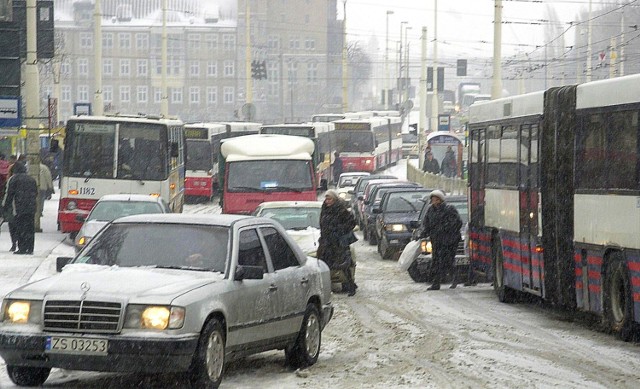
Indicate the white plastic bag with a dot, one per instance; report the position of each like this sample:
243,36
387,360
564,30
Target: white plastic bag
409,254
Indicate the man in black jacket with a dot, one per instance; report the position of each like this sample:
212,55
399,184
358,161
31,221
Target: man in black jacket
21,199
442,224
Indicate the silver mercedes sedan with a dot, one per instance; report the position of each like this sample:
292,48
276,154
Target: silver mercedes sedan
170,293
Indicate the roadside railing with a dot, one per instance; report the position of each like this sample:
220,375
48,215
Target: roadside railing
454,186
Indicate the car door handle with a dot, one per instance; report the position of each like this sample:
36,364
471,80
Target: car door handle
273,287
304,281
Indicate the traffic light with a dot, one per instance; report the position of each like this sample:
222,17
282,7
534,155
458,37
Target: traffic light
254,69
258,70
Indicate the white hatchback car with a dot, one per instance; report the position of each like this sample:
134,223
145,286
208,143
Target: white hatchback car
347,182
113,206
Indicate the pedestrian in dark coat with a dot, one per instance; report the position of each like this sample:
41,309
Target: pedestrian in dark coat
336,223
442,224
430,164
22,195
8,214
449,164
338,167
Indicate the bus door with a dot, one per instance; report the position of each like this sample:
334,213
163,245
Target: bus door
532,258
480,247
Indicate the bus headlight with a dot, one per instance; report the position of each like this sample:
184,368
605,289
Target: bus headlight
71,205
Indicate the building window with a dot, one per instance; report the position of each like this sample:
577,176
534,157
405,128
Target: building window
294,43
273,42
157,95
176,95
142,41
125,94
194,95
211,41
194,69
141,92
107,67
83,66
310,44
125,67
212,95
228,93
143,67
125,40
194,41
86,40
212,69
66,93
228,69
273,77
65,68
229,42
174,67
107,93
107,40
312,72
292,72
83,93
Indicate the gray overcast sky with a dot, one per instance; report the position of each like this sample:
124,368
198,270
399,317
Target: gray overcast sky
462,24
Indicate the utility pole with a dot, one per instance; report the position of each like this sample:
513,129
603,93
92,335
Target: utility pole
98,102
423,95
32,103
496,87
247,63
386,65
164,99
588,75
400,84
434,97
345,90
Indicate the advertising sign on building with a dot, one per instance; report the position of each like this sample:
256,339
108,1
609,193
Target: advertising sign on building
10,112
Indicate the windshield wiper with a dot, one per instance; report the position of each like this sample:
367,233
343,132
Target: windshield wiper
182,267
247,188
286,188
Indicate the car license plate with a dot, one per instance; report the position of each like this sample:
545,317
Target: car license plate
72,345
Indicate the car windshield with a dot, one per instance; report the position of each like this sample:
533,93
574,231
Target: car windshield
294,218
111,210
404,201
174,246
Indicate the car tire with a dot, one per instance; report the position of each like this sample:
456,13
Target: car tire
618,301
28,376
416,274
304,352
207,366
384,250
373,238
504,293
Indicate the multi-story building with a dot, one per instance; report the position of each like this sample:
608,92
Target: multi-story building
298,40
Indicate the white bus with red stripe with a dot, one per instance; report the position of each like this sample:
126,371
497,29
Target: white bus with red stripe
555,198
367,145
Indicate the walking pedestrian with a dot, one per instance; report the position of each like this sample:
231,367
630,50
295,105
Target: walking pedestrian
449,164
8,212
338,167
22,193
45,186
430,164
442,224
336,234
4,174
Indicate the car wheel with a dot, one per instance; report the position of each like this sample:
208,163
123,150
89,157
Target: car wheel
415,273
207,366
618,303
504,293
385,251
28,376
306,349
365,234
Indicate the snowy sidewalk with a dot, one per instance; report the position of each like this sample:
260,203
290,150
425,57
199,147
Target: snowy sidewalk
17,270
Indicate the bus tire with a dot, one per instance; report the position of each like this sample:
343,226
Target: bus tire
618,302
504,293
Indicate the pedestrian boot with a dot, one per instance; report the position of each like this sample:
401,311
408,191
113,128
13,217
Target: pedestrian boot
453,286
13,248
434,287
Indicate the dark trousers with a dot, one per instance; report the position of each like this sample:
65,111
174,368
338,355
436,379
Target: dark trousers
25,231
443,262
13,233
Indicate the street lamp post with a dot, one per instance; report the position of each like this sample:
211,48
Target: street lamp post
386,65
400,65
406,61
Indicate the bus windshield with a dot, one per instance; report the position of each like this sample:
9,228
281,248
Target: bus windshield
354,141
139,155
199,155
275,175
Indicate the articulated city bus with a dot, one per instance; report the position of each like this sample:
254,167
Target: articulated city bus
259,168
322,134
370,144
554,197
119,154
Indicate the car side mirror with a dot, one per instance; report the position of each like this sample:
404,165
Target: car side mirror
351,192
414,223
376,210
81,218
367,202
248,273
360,198
62,262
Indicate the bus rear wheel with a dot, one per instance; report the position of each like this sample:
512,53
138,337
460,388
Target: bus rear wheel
504,293
618,302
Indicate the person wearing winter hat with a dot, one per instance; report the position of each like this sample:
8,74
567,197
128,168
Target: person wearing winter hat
442,224
336,225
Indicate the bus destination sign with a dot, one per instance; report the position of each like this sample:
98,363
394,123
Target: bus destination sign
352,126
196,133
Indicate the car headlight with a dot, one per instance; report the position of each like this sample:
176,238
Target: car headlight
342,195
425,246
396,227
154,317
22,311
